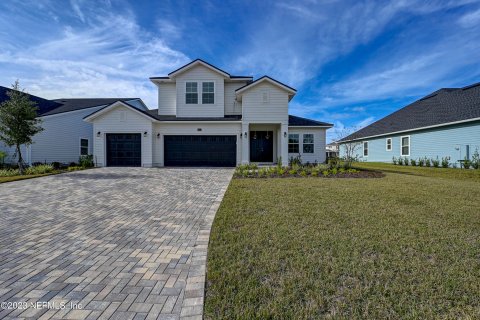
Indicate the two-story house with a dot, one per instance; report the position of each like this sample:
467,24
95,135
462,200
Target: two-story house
207,117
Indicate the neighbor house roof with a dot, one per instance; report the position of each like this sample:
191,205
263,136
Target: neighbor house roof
43,105
294,121
443,107
67,105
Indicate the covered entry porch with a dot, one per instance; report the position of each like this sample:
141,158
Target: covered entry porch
264,143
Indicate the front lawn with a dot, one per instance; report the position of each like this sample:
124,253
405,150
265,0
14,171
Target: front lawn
403,246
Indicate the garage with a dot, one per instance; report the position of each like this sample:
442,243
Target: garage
124,149
200,150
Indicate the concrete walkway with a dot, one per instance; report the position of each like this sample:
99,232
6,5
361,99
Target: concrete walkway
110,243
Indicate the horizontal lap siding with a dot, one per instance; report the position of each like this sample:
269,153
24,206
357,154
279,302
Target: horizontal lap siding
255,111
111,123
232,107
167,99
199,74
319,146
441,142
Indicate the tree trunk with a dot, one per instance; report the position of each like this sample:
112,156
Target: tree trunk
21,169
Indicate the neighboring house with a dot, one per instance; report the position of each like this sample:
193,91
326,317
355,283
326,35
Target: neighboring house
66,136
207,117
333,150
445,123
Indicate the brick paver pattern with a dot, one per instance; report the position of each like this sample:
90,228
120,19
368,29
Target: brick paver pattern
109,243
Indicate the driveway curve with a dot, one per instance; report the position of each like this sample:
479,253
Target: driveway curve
109,243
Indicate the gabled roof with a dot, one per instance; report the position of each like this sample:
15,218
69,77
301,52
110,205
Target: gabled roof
443,107
277,83
114,104
294,121
203,63
43,105
67,105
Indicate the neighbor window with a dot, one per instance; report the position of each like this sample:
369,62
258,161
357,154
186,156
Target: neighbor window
191,93
389,144
208,93
83,147
308,143
293,143
405,145
365,149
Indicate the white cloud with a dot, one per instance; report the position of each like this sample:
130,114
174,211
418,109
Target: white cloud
471,19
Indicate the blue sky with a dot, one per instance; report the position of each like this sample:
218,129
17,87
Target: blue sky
352,62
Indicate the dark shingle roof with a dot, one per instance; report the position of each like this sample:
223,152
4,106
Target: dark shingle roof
43,105
67,105
154,114
294,121
440,107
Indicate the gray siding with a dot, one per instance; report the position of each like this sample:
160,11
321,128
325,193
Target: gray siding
319,145
232,106
256,111
440,142
167,99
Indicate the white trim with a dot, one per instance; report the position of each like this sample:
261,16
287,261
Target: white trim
401,146
114,105
80,145
214,92
185,93
410,130
257,82
312,143
386,144
310,127
363,149
194,64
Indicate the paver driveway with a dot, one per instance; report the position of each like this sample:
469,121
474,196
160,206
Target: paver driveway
119,243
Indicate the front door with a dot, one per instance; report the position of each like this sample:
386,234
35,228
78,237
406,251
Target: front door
261,146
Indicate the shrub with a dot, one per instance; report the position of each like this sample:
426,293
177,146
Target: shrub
421,162
333,162
281,171
400,161
405,161
326,173
303,173
9,172
436,163
86,161
295,160
476,160
466,163
56,165
334,171
40,169
427,162
75,168
413,162
314,173
445,162
394,160
292,171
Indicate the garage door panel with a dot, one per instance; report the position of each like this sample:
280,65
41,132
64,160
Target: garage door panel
124,149
200,150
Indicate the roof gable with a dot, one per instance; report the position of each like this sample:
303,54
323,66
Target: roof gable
195,63
291,91
113,105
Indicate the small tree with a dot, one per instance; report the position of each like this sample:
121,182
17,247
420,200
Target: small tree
349,148
18,121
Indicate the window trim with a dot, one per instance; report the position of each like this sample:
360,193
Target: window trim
401,146
80,146
214,91
310,143
363,149
386,144
185,91
293,143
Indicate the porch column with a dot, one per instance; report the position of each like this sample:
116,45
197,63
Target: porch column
284,144
245,144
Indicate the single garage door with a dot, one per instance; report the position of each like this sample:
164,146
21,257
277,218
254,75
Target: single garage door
211,151
124,149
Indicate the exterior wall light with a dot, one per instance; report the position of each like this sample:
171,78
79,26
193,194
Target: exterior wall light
245,134
98,134
145,133
285,134
158,135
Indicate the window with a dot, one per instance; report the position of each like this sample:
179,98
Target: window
389,144
308,143
84,147
208,93
191,93
365,149
293,143
405,146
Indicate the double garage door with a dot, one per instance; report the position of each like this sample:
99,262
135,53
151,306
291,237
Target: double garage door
125,149
211,151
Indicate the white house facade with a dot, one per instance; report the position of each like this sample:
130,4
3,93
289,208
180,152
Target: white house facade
207,117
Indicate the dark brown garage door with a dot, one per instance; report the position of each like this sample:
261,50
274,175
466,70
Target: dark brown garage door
124,149
211,151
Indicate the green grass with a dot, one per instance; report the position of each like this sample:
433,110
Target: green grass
31,176
403,246
448,173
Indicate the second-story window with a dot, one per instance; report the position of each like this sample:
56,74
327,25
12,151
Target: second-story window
208,93
191,93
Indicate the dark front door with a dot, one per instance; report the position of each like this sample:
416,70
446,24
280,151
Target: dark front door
210,151
261,146
124,149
